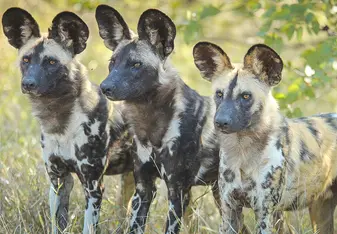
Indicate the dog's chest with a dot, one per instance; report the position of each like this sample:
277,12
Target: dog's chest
84,144
149,123
251,183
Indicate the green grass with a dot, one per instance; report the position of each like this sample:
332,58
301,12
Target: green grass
23,182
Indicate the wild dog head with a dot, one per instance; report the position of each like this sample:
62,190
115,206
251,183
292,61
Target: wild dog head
136,62
242,92
46,61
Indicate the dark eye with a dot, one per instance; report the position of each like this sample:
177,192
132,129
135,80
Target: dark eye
219,94
137,65
52,61
246,96
26,59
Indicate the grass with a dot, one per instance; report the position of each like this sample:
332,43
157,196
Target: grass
24,185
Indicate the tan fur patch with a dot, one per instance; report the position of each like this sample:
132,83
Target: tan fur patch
51,49
54,50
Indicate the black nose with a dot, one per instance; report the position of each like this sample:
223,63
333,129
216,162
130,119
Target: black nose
222,122
29,84
107,89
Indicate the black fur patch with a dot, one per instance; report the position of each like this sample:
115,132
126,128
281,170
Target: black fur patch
305,154
229,175
14,21
330,120
231,87
204,54
250,185
112,27
159,30
268,181
42,141
69,29
272,64
263,225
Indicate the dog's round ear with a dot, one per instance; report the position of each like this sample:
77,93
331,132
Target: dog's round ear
210,59
19,26
265,63
158,29
69,30
112,27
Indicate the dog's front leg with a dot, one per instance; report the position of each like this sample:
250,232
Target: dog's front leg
264,222
231,210
179,197
145,192
232,219
61,185
91,177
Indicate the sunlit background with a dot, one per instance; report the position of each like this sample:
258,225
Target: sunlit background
303,32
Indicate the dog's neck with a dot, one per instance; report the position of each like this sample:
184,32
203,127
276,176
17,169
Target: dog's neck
245,149
150,115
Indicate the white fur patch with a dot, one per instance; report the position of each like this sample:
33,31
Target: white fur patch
95,128
26,31
118,32
171,135
143,152
90,219
63,144
54,203
172,226
134,213
162,170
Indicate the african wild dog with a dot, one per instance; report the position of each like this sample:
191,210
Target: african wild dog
267,161
174,135
82,132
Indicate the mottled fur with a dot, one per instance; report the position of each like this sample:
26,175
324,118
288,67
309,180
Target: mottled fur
172,123
81,131
268,162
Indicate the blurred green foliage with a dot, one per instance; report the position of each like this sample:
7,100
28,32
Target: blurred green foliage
280,22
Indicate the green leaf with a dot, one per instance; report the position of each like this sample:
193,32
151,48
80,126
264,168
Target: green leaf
293,88
253,5
297,9
208,11
264,29
309,29
192,31
269,12
309,17
282,14
309,92
291,97
289,30
297,112
315,26
299,33
274,41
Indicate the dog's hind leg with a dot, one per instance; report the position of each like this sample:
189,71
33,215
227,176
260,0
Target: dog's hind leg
216,195
59,193
322,212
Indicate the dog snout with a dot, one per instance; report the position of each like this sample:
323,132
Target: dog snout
223,122
29,85
107,89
